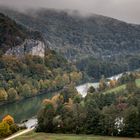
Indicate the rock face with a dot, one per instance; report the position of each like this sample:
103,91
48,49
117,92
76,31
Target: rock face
30,46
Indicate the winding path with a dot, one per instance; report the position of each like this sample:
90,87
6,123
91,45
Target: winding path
20,133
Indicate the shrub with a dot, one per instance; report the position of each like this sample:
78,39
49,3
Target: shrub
3,95
4,129
12,94
14,128
8,119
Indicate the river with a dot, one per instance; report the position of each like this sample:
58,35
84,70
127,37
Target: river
82,89
25,109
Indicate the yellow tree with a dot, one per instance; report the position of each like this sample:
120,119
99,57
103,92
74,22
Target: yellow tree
112,83
102,84
4,129
66,78
3,95
57,100
75,76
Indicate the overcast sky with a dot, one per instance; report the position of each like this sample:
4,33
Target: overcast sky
127,10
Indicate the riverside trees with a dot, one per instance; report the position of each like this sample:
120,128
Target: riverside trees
27,76
113,114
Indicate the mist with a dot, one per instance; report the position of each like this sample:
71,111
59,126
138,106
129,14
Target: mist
126,10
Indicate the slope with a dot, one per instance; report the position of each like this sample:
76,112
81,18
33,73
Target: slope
98,44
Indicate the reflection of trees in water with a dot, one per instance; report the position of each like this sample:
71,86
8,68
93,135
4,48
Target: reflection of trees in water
24,109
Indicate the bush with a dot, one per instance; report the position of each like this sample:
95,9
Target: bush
8,119
12,94
4,129
3,95
14,128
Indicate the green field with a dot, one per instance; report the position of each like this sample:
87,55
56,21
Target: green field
138,82
116,89
121,88
44,136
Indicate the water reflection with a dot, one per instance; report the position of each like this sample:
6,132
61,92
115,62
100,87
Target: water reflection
25,109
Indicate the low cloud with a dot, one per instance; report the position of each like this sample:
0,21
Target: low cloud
127,10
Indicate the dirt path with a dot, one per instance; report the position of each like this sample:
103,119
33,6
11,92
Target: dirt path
18,134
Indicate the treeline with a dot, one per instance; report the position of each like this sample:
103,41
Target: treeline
28,76
94,68
113,114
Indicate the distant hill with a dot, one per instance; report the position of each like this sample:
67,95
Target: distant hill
110,43
13,34
10,32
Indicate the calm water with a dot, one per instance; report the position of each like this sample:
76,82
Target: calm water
25,109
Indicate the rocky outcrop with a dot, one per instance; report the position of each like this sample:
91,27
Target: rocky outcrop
30,46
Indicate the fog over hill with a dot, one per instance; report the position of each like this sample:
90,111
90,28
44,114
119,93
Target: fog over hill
76,35
98,44
127,10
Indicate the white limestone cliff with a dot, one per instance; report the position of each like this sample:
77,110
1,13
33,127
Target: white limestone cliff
30,46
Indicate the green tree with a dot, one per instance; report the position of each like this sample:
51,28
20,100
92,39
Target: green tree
92,116
26,90
108,120
45,117
91,89
69,92
12,94
131,122
102,84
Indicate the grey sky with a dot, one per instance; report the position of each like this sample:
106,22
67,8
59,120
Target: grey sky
127,10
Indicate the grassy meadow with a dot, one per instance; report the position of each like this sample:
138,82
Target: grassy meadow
44,136
121,87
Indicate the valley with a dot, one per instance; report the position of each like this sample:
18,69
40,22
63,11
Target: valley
54,66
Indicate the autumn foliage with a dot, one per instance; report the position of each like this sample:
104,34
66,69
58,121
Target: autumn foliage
8,119
8,126
112,83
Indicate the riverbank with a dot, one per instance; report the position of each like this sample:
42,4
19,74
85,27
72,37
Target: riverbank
24,109
28,107
21,99
78,87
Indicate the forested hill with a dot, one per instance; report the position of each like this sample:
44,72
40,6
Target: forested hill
75,36
25,73
13,34
98,44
